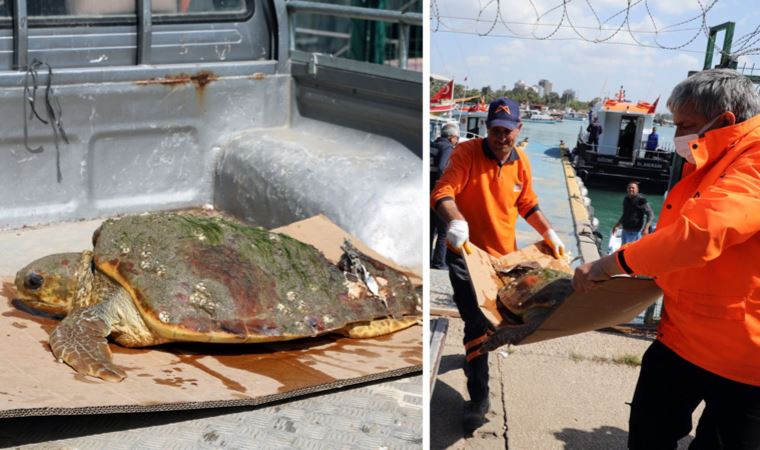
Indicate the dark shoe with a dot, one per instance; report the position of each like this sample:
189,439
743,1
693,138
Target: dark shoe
475,414
439,266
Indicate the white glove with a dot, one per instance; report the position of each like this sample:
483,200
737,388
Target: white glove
458,233
551,238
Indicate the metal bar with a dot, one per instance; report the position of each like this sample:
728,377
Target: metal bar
324,33
439,328
710,48
144,31
129,74
349,65
20,35
403,46
355,12
292,33
728,39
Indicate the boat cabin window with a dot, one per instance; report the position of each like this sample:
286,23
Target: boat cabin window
627,136
472,126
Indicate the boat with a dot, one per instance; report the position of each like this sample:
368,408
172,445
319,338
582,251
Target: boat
472,120
575,116
621,153
535,116
444,108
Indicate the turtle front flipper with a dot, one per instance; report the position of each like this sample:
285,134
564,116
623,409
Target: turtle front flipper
508,334
80,341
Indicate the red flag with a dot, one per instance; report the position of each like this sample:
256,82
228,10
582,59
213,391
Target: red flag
444,93
654,106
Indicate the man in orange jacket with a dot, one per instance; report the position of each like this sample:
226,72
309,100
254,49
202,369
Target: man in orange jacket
486,185
704,255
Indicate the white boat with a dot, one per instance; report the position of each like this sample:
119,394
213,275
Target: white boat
536,116
540,118
620,153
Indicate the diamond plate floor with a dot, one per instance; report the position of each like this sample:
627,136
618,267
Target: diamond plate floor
372,416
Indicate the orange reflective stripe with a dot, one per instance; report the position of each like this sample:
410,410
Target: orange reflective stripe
473,354
477,341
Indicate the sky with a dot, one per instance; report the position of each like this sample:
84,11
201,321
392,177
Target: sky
468,39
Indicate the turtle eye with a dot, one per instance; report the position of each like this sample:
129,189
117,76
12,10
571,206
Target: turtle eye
33,281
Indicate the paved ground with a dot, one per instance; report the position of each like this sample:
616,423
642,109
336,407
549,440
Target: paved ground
374,416
560,394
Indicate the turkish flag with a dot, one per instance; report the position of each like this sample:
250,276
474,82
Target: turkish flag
653,108
444,93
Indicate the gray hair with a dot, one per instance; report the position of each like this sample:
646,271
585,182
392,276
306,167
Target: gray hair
450,129
715,91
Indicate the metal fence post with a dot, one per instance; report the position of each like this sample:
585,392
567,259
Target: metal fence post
144,31
403,45
20,35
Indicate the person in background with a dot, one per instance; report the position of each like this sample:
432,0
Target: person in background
653,140
637,215
486,185
594,131
627,137
440,151
704,256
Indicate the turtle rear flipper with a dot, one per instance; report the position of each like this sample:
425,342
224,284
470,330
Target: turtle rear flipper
80,341
378,327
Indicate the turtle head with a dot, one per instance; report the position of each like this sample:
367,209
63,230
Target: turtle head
52,283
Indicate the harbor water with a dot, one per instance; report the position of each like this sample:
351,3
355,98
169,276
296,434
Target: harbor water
607,201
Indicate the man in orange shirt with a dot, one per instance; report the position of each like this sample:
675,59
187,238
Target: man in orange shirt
480,194
704,256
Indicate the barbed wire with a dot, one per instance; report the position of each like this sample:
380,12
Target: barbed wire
746,45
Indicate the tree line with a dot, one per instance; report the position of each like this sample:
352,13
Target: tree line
521,94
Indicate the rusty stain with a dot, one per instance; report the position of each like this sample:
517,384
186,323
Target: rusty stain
176,382
115,348
193,360
45,323
18,325
292,364
257,76
8,291
199,79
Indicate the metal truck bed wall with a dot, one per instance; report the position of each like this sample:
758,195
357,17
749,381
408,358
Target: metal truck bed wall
215,116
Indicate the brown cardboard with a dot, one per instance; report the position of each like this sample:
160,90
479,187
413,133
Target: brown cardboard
189,376
616,301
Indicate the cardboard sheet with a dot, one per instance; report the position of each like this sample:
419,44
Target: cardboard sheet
189,376
616,301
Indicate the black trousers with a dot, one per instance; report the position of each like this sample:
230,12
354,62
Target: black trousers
475,326
670,389
438,228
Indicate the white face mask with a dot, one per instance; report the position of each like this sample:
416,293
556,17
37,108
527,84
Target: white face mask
682,142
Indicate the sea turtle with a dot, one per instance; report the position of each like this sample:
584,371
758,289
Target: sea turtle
163,277
531,294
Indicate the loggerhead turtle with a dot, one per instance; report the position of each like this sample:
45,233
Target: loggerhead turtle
528,299
158,278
